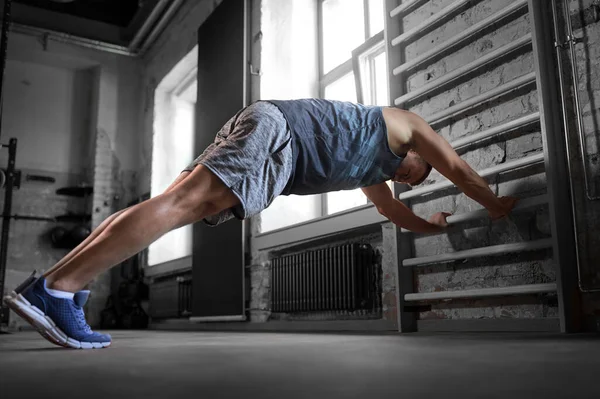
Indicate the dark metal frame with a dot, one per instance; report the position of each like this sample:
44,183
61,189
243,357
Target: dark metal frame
403,248
556,165
10,172
11,180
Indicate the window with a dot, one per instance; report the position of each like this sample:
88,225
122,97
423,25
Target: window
347,25
343,26
173,149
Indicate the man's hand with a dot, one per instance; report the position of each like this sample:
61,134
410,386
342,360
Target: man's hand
506,205
439,219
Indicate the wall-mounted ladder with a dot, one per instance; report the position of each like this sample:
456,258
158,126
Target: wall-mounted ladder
541,79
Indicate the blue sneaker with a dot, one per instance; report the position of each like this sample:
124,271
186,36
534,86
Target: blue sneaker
61,321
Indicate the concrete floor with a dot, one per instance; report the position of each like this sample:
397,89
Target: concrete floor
157,364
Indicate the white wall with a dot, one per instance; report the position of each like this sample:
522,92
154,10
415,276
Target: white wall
47,109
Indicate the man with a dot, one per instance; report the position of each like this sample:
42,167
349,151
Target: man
267,149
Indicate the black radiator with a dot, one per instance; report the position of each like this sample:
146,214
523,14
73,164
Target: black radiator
171,298
337,278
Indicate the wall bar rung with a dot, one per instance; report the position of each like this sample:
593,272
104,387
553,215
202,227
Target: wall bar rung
494,170
430,22
484,292
509,126
458,73
456,40
479,252
481,213
405,7
482,98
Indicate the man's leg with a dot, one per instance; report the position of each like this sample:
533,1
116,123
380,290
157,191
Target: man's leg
101,228
199,195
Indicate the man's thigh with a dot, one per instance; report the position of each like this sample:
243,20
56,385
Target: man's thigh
201,186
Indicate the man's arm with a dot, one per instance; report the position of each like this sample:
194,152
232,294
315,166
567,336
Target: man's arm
179,178
440,154
400,214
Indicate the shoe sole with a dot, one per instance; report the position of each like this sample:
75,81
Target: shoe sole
45,326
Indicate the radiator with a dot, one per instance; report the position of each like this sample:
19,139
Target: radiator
337,278
171,298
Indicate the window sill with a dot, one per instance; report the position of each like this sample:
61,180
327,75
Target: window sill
339,222
170,267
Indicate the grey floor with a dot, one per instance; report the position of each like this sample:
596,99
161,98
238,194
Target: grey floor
157,364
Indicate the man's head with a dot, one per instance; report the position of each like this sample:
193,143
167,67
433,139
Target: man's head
413,170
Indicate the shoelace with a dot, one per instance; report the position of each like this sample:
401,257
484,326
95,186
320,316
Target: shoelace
80,317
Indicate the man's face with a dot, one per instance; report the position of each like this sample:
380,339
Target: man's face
412,170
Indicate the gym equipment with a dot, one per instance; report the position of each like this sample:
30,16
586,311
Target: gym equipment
57,236
10,171
12,178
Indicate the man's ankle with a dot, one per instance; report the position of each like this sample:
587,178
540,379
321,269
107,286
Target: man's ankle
62,285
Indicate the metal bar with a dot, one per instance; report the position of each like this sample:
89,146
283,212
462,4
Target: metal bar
311,280
66,38
342,277
28,217
400,244
406,6
322,271
287,287
484,292
571,40
300,282
139,35
479,252
305,276
8,198
556,164
494,170
331,276
274,285
481,213
509,126
458,73
347,270
430,22
567,148
490,95
296,283
460,38
6,23
336,278
351,278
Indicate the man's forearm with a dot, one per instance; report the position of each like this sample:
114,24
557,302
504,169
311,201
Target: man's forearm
403,217
477,188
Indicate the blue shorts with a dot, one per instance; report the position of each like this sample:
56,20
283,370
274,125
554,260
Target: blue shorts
252,155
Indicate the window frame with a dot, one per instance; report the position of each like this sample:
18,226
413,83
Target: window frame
356,218
351,65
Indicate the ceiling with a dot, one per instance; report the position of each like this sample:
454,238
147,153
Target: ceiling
130,24
115,12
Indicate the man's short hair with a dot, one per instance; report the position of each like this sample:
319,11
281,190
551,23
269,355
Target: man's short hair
425,175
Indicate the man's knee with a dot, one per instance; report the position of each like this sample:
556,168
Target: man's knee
202,193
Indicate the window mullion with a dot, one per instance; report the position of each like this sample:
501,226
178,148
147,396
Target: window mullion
338,72
367,18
